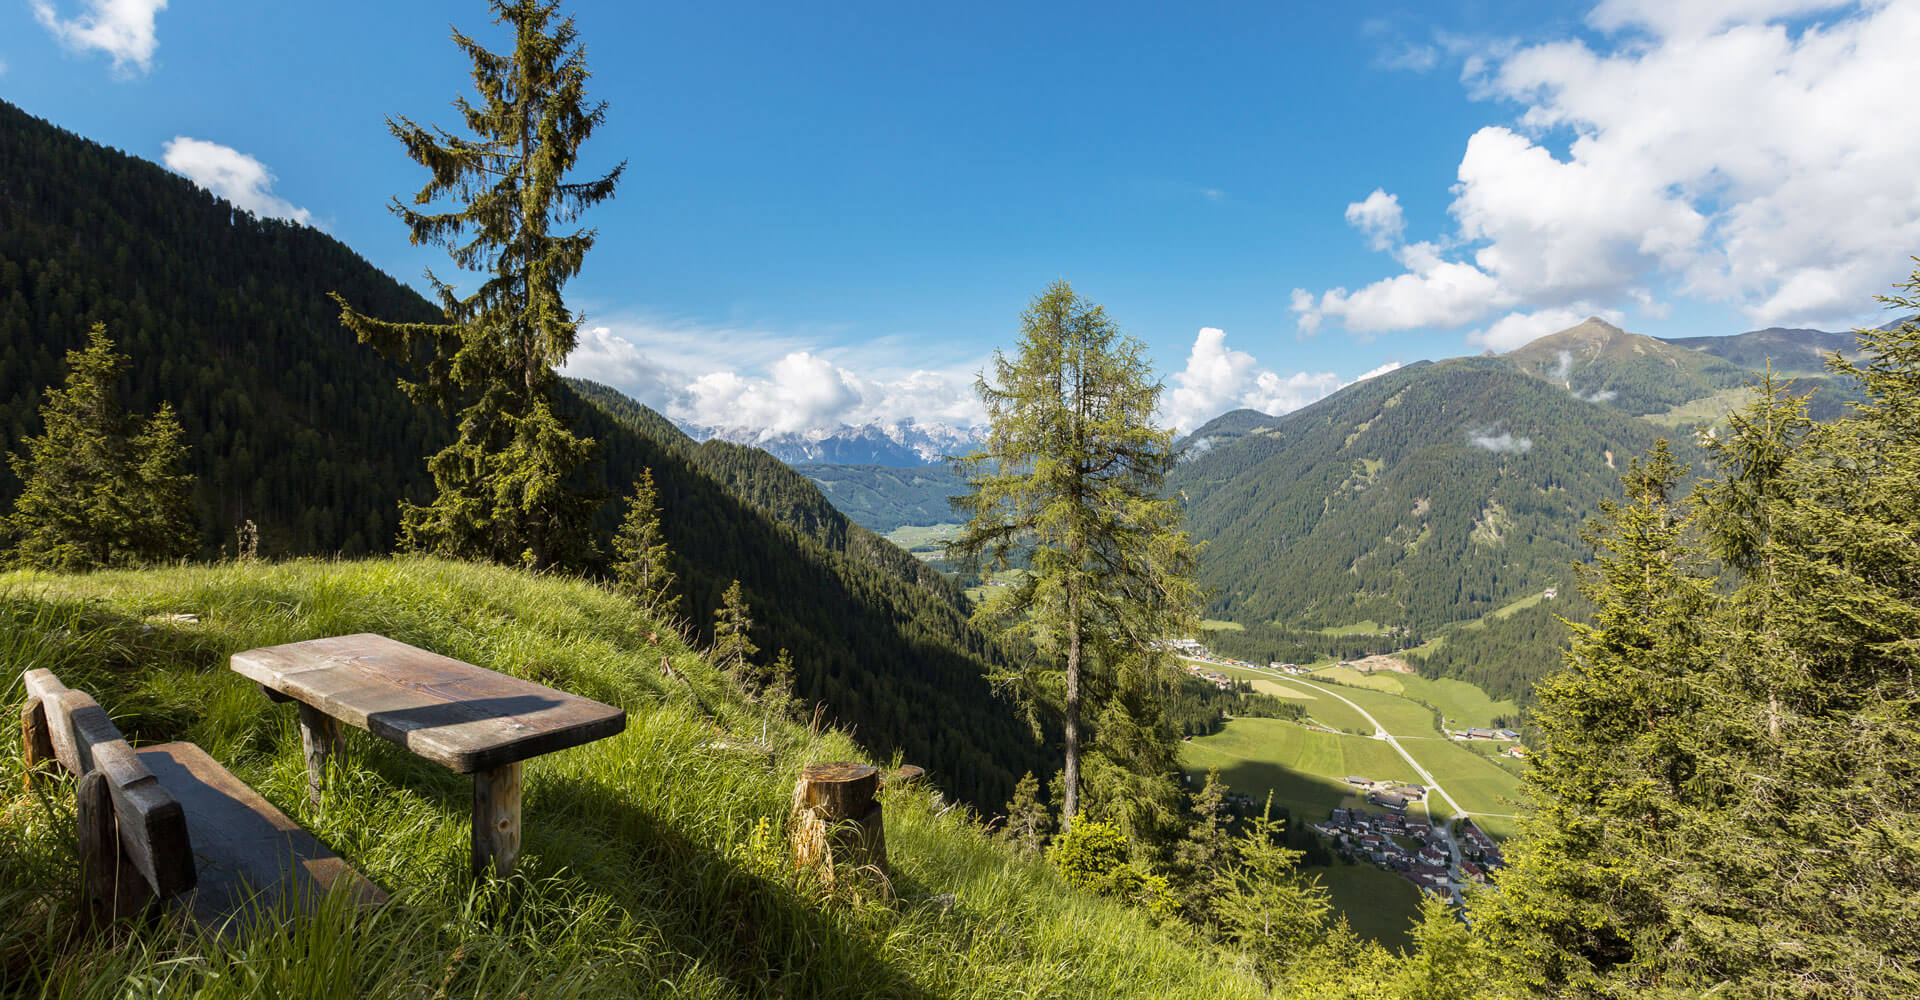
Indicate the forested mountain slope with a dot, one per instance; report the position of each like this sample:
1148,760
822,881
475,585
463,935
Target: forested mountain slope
1791,351
291,423
884,498
301,429
1428,495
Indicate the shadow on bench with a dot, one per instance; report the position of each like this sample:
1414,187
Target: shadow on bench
168,825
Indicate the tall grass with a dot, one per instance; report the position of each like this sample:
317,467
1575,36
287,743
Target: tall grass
653,863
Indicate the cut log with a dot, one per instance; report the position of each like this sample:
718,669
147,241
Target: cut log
496,820
837,825
321,740
908,774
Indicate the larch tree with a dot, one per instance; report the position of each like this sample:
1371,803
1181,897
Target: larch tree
102,488
503,488
1072,475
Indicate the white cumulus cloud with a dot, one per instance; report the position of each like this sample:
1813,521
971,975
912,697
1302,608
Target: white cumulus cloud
1379,218
1434,292
1516,329
1707,149
1218,378
805,390
232,175
123,29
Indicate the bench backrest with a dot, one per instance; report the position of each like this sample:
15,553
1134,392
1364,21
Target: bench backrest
153,829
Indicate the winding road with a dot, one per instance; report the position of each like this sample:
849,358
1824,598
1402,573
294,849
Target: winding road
1380,731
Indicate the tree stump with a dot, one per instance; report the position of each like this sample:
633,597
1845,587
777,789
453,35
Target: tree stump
837,825
908,774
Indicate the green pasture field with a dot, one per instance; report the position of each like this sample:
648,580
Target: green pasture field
1303,769
1327,711
921,536
1463,703
1473,780
1357,628
1380,905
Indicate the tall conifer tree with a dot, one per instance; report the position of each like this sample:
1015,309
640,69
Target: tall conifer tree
102,488
503,486
1072,473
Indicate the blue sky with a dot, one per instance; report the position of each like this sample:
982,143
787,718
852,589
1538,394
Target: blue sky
835,214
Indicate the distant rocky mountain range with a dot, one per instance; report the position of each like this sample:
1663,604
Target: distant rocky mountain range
903,445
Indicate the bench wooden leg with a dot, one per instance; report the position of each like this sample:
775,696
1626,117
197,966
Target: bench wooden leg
36,740
321,739
496,820
110,886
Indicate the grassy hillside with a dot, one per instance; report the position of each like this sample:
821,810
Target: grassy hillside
653,860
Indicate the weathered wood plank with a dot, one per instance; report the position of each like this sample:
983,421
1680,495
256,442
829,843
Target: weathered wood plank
110,887
36,740
152,833
496,820
320,740
42,684
465,717
248,852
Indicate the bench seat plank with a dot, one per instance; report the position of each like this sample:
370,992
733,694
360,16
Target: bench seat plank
245,850
464,717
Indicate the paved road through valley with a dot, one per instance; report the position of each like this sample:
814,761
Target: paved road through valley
1433,787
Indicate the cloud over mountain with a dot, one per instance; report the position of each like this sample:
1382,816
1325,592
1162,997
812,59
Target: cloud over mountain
1708,150
1218,378
232,175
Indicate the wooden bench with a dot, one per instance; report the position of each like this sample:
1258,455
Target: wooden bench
168,825
468,719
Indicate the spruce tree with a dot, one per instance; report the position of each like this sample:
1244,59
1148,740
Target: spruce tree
644,568
1028,821
102,488
1724,783
1071,475
1615,774
733,647
1206,853
504,487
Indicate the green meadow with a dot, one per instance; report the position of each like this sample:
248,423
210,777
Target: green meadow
654,863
